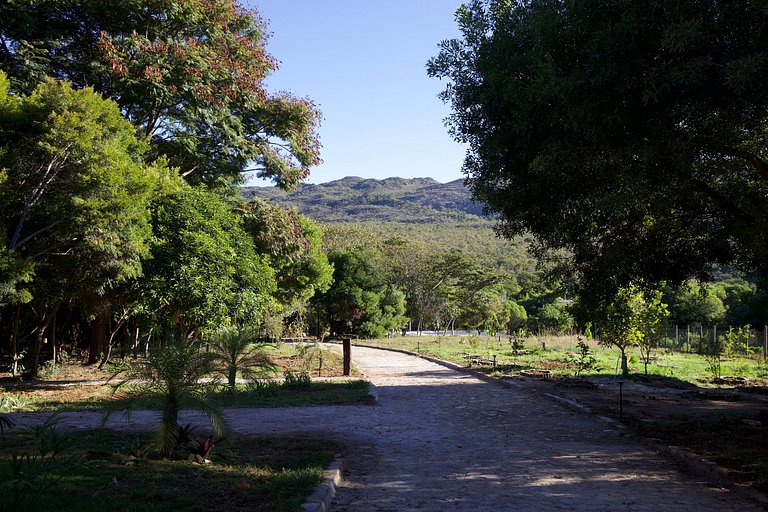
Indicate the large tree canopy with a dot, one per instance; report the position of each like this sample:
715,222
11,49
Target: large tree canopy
631,133
187,73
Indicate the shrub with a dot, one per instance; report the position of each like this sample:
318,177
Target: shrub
171,375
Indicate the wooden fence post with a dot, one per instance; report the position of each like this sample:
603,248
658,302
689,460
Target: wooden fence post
347,352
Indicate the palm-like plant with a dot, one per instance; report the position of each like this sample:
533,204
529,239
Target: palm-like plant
237,350
172,376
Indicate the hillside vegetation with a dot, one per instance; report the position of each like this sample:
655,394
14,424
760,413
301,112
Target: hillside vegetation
356,210
353,199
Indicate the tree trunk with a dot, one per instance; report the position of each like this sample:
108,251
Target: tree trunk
624,366
98,334
34,365
15,341
52,337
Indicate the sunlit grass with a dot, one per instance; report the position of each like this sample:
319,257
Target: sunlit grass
559,355
268,394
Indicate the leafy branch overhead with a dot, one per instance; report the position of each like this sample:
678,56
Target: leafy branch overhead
632,134
188,74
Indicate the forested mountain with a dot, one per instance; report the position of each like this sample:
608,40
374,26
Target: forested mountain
354,199
438,215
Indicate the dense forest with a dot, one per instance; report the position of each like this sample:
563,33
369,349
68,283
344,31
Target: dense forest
527,288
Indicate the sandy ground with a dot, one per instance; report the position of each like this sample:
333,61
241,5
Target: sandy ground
443,440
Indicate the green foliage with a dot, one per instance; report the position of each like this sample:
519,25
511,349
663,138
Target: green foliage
360,302
627,133
635,317
651,318
75,194
293,245
172,376
584,360
473,340
697,304
300,380
554,317
312,355
191,79
518,317
204,271
517,344
618,324
34,473
718,347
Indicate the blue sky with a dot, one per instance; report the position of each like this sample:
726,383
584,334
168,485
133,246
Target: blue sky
363,63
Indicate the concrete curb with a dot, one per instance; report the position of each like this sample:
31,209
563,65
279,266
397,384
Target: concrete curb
320,500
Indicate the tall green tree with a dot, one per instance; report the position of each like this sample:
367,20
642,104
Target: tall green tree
360,301
189,74
204,271
632,134
651,316
294,246
74,203
618,325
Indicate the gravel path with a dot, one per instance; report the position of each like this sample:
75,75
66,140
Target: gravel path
442,440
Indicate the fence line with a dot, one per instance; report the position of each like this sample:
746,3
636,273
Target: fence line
697,337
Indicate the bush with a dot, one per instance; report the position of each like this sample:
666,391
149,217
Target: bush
297,380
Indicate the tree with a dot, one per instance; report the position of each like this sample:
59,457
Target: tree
189,74
204,272
631,134
293,245
651,319
360,301
237,350
554,316
518,317
171,376
694,303
618,327
634,317
74,200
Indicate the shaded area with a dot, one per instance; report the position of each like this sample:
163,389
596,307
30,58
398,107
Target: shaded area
443,440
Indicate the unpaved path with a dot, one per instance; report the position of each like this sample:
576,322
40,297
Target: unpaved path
442,440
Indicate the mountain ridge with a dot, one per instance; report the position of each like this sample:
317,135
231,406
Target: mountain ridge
355,199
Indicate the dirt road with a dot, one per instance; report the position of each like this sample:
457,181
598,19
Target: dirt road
442,440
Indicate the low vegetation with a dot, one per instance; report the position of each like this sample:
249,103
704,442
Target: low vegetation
110,471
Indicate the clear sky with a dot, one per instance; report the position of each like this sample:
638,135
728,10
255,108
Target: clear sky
363,63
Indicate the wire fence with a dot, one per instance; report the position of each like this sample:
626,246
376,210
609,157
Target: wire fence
700,338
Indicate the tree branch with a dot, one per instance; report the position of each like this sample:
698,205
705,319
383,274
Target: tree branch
29,237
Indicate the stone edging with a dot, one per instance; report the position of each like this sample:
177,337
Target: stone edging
320,500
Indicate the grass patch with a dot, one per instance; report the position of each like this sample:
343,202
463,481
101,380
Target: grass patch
558,354
259,474
270,394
